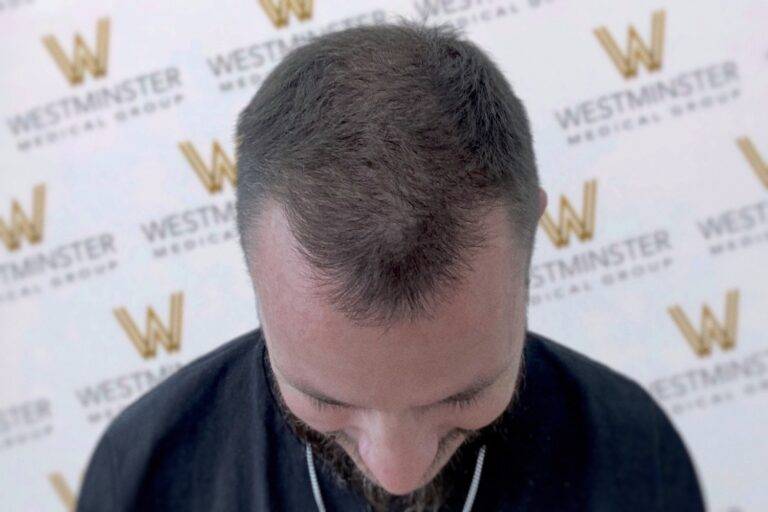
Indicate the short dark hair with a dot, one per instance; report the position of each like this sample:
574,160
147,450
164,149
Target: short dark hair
384,145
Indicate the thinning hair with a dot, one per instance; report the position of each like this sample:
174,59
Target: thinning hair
385,146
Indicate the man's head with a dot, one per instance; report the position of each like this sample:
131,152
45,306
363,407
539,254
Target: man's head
387,200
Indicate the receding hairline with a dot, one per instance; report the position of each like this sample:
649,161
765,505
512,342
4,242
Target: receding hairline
494,225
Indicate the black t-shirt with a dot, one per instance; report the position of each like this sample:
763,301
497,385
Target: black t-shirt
212,438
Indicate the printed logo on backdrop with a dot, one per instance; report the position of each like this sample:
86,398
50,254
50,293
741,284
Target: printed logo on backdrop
582,225
711,332
711,335
246,66
83,58
86,95
758,163
9,5
212,177
159,334
656,91
472,12
581,262
23,226
201,225
278,11
156,334
33,265
64,491
637,52
25,422
743,226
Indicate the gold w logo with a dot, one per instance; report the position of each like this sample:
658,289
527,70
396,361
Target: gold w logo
20,225
757,162
278,11
63,490
221,166
156,332
711,331
637,51
568,220
83,59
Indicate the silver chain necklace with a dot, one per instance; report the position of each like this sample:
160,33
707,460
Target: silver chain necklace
467,503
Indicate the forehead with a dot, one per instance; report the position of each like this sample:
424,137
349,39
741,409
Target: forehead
469,336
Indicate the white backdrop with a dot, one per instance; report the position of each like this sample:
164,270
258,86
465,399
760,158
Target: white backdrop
119,264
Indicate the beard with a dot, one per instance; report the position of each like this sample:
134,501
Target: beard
345,472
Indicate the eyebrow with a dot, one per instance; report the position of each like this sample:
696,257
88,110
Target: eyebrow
478,386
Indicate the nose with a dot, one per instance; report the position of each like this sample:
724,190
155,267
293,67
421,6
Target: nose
398,452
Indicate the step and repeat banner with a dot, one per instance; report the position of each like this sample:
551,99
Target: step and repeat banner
119,260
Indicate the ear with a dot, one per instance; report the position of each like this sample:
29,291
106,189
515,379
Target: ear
542,201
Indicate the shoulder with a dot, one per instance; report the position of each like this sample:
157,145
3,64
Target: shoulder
610,408
202,380
204,391
625,431
584,373
180,421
